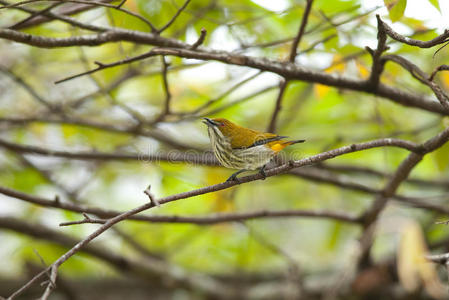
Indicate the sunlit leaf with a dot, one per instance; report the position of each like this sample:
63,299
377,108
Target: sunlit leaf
413,268
395,8
435,4
363,70
321,90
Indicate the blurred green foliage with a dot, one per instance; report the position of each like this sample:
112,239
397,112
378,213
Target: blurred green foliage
326,117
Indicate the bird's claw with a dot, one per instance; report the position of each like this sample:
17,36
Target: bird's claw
233,177
262,172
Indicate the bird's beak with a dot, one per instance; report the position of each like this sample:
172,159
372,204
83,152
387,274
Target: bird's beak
209,122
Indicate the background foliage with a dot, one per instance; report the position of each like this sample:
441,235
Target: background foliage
123,110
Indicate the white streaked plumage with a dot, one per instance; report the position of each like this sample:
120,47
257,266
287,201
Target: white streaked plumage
248,158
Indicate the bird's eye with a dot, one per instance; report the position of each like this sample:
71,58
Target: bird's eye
221,124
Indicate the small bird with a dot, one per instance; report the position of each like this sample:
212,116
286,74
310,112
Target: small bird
237,147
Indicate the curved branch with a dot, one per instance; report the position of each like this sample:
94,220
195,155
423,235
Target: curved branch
236,217
88,2
421,76
301,30
62,15
149,269
287,70
173,19
171,156
441,39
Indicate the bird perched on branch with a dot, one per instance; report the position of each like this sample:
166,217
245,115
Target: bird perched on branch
237,147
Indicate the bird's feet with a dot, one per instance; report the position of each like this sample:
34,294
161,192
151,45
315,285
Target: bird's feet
262,172
233,177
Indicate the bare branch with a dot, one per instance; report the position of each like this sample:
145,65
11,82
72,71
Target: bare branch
121,3
115,127
34,15
60,14
102,66
89,2
147,269
278,106
289,71
268,173
359,170
412,42
86,219
205,158
371,215
166,110
174,17
200,40
301,31
223,95
28,88
417,73
438,69
377,66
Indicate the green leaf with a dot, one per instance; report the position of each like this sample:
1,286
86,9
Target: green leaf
441,157
435,4
395,8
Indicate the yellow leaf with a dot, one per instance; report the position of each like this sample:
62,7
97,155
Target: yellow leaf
445,79
338,65
131,5
363,71
321,90
222,201
441,157
446,122
413,268
38,129
69,131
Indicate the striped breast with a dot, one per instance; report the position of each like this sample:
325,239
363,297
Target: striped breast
250,158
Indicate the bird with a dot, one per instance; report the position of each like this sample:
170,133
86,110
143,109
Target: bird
241,148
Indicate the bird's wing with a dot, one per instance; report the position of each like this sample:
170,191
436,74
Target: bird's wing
263,141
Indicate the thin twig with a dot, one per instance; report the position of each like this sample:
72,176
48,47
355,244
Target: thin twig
62,16
166,109
178,12
438,69
301,31
277,107
292,72
90,2
417,73
28,88
34,15
102,66
443,38
377,67
200,40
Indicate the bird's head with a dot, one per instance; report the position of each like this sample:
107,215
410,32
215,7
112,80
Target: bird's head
225,126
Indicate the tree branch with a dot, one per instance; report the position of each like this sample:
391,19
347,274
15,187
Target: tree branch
148,269
421,76
371,215
301,31
178,12
412,42
277,108
61,14
377,67
89,2
286,70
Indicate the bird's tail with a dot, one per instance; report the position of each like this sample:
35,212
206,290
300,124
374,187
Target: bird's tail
288,143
